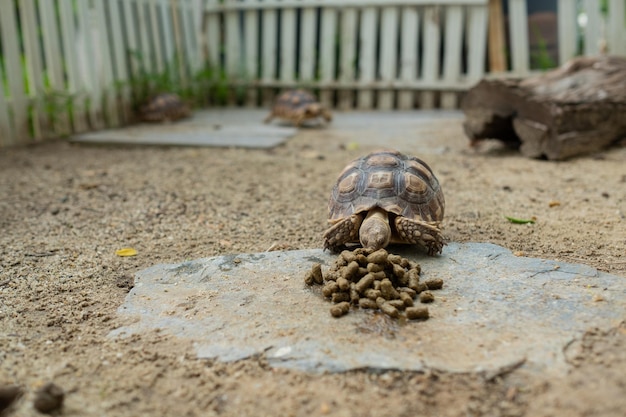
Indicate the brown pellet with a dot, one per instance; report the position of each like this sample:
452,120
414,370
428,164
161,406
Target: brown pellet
387,290
408,290
416,266
354,294
365,283
308,278
372,294
406,299
398,271
398,304
340,309
343,283
375,267
348,257
389,310
413,279
329,289
367,303
394,259
427,297
361,259
416,313
331,276
350,270
378,257
379,275
316,271
362,271
434,284
339,297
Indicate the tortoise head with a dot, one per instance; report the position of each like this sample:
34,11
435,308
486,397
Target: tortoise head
375,232
312,110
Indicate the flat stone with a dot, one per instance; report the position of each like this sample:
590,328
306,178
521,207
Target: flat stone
415,132
496,312
216,127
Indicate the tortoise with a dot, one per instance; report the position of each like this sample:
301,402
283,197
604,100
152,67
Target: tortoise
298,106
386,197
163,108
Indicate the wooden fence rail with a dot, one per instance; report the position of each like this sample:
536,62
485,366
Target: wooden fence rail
69,66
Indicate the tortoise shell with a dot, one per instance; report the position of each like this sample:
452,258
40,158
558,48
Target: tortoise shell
400,184
164,107
298,106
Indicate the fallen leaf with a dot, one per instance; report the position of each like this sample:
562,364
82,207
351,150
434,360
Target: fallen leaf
126,252
352,146
521,221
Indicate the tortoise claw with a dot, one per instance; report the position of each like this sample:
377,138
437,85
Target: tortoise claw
343,232
425,234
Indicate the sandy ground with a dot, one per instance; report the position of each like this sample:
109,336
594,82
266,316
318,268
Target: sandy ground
65,209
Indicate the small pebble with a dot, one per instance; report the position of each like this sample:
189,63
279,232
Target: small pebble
9,394
49,398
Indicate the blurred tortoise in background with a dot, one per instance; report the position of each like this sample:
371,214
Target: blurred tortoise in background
298,106
386,197
163,108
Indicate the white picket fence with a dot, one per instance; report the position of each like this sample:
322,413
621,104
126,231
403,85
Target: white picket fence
68,66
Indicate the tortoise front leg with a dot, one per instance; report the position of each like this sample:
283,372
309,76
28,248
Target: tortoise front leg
347,230
425,234
327,115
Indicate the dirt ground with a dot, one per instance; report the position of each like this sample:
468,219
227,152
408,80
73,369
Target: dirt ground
65,209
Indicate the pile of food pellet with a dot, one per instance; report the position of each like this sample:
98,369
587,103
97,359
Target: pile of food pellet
374,280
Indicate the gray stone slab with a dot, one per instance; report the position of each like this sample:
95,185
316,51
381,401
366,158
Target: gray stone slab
416,132
496,311
219,127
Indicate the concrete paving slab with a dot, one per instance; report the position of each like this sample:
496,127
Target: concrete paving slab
496,311
219,127
415,132
410,131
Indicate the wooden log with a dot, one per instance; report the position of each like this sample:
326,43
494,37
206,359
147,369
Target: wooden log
573,110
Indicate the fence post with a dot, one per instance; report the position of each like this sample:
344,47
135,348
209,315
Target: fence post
409,58
6,134
12,62
367,57
594,32
388,55
518,33
327,53
430,57
568,35
452,54
616,35
348,55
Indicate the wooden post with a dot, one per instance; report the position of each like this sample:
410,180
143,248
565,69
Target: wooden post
497,44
